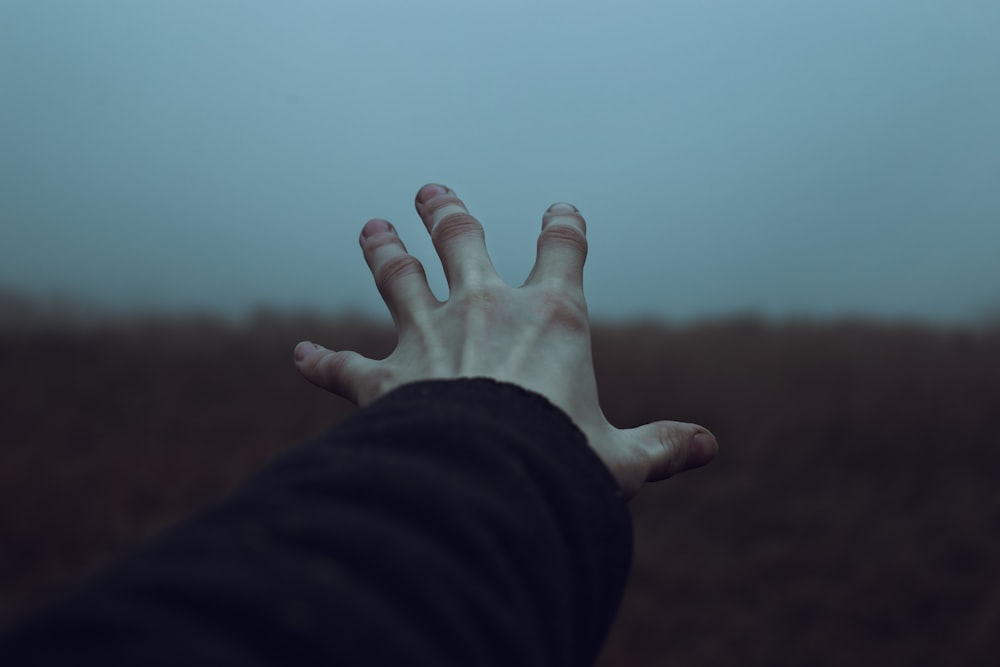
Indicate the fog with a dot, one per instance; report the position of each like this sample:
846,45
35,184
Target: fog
785,158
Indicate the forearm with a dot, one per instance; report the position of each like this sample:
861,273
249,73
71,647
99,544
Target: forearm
461,522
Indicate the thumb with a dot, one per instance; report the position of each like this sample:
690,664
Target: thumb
341,372
673,447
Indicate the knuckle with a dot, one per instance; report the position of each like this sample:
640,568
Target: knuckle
380,241
668,437
564,237
331,369
479,297
563,309
671,437
339,372
456,225
566,217
396,268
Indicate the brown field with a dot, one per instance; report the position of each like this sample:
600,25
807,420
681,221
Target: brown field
852,517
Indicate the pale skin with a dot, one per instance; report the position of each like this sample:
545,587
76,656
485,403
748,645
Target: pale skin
536,335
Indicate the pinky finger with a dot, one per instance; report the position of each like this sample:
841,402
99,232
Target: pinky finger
341,372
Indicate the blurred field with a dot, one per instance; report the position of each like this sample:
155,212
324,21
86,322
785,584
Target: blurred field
852,517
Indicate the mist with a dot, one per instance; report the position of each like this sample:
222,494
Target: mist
780,158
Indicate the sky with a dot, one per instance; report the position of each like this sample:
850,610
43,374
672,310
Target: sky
786,158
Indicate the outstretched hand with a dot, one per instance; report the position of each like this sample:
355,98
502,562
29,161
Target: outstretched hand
536,335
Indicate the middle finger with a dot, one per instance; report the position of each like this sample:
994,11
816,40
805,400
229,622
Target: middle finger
457,236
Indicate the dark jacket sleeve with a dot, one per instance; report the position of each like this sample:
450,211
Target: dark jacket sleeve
451,522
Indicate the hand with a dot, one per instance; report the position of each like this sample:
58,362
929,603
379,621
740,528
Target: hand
536,336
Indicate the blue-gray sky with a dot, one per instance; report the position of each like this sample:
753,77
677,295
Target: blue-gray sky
786,157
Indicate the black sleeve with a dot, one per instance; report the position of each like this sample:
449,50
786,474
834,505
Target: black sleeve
451,522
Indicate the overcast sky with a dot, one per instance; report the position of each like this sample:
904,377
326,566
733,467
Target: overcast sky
784,157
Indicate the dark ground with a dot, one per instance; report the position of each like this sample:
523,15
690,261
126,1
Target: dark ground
851,518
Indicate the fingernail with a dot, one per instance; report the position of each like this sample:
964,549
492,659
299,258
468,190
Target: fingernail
430,191
376,226
706,446
562,207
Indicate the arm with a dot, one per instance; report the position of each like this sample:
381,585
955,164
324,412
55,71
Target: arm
471,512
461,522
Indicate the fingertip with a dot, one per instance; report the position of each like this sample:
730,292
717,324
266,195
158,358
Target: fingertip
704,447
376,226
562,207
430,191
673,447
303,349
565,213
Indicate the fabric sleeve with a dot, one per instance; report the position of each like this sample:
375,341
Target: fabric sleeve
451,522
